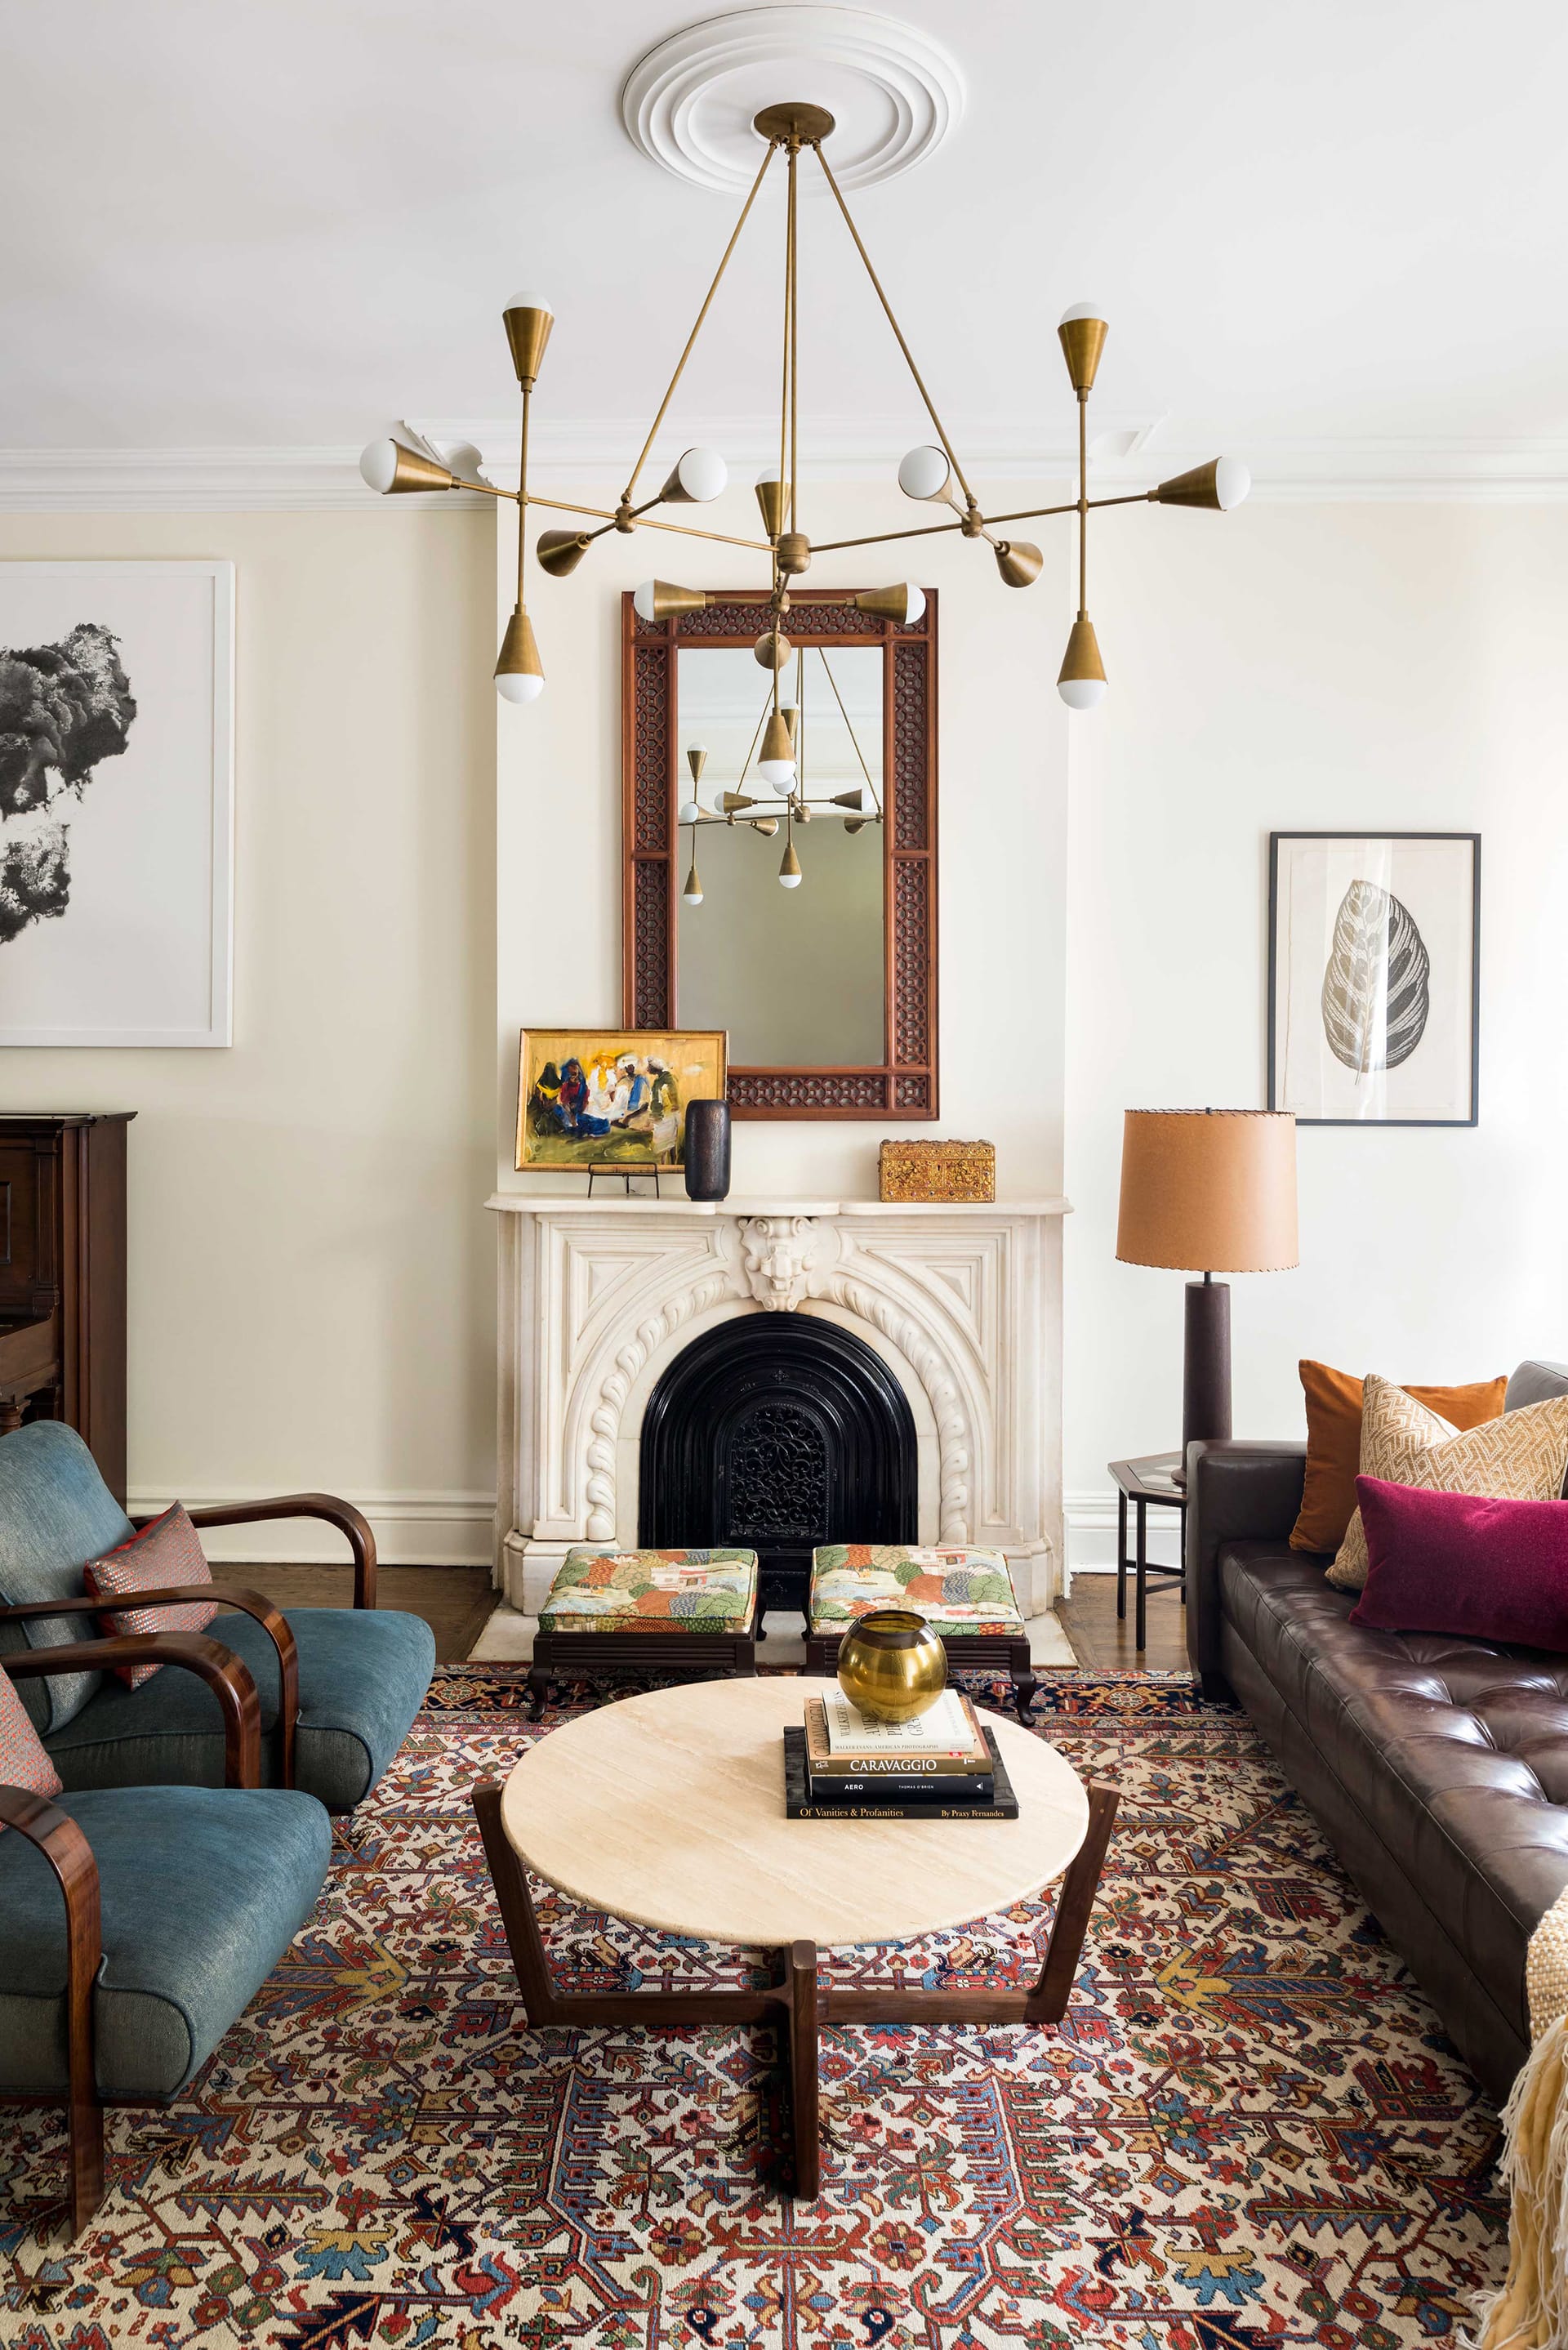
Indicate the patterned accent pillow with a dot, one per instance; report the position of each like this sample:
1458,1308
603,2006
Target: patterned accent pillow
1523,1457
163,1554
23,1761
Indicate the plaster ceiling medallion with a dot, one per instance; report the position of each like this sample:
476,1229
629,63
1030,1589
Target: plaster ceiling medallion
895,94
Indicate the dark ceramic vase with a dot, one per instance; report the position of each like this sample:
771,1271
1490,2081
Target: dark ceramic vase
707,1150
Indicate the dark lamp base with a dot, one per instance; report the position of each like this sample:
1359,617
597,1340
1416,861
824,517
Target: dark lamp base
1205,1367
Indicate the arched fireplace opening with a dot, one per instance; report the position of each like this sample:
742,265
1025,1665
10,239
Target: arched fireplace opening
778,1431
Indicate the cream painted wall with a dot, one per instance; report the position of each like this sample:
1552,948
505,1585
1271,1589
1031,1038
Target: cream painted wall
1313,667
312,1271
1002,854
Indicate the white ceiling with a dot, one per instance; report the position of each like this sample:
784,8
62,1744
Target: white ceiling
277,223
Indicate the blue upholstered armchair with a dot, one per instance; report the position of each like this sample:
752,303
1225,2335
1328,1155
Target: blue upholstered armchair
337,1687
144,1907
136,1923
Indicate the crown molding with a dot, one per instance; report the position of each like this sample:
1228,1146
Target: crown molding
1130,451
191,481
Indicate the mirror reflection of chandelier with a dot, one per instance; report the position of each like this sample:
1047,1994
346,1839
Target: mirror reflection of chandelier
784,795
931,474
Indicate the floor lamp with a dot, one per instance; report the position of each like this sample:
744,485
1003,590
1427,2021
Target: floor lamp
1208,1190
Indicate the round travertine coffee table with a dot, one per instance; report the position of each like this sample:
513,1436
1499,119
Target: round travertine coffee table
669,1810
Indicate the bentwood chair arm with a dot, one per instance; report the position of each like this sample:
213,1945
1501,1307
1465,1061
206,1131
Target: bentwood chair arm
348,1521
69,1855
228,1678
230,1595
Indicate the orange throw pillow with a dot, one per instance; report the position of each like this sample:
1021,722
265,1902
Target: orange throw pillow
1333,1443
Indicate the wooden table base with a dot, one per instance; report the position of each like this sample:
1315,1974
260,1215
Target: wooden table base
801,2003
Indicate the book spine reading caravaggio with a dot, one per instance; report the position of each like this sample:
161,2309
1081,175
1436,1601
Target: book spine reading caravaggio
825,1764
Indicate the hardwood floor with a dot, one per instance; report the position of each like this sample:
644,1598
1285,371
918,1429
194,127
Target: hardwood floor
1100,1641
455,1601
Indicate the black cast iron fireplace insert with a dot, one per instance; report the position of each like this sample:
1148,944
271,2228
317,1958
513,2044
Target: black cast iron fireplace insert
777,1432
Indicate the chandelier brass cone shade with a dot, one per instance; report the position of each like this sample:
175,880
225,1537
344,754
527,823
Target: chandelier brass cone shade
403,463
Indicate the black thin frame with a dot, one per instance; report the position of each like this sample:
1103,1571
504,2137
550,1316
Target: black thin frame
1365,832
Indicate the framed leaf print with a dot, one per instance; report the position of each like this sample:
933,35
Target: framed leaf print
1375,977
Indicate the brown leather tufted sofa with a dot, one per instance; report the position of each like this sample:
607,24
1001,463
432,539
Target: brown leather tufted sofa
1437,1766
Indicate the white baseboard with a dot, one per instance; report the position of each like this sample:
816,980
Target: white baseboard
1090,1517
429,1529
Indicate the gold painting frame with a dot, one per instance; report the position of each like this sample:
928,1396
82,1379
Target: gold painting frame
603,1098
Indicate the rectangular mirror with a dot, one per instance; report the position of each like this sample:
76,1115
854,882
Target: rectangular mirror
798,973
826,983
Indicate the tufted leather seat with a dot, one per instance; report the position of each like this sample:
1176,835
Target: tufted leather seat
1438,1765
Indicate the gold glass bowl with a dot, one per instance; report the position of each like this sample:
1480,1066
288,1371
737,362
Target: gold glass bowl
892,1665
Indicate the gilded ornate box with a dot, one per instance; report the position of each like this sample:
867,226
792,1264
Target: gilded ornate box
937,1170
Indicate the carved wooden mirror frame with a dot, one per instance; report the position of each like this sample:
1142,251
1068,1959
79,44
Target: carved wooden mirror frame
903,1085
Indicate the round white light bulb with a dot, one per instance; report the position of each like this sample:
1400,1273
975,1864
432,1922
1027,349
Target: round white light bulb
690,813
780,773
1231,482
917,606
692,896
642,600
924,474
520,685
769,473
530,302
378,464
790,881
704,475
1081,693
1080,310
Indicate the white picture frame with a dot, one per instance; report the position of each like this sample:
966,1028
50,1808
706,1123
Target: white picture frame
117,884
1373,1010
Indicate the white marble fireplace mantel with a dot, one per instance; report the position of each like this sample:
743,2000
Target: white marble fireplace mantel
598,1297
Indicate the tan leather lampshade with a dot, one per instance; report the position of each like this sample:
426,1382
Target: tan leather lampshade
1208,1190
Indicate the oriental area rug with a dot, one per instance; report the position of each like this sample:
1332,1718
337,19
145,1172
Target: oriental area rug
1250,2130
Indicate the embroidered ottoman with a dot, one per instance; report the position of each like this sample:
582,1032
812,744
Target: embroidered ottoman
965,1595
687,1611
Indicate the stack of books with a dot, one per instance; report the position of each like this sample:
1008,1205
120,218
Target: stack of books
842,1765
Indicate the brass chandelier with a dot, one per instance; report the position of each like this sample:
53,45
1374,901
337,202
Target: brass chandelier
781,792
404,461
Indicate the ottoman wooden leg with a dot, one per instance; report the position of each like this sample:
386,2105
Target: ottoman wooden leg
539,1678
800,1983
1024,1683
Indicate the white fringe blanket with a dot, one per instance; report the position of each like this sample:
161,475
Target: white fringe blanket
1531,2312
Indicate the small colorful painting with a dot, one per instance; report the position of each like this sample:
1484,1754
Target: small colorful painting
612,1097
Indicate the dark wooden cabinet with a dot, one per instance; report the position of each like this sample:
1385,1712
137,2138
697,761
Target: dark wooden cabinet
62,1278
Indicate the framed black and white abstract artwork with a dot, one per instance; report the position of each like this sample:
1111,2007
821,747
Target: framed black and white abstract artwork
116,803
1375,977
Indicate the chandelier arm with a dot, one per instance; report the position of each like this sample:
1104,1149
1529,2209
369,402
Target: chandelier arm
1039,514
898,330
885,537
794,342
691,337
1084,503
849,724
784,380
523,493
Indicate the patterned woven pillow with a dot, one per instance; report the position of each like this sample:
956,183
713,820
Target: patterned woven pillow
24,1761
1523,1457
165,1553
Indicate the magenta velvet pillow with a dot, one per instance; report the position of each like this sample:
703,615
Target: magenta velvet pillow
1464,1562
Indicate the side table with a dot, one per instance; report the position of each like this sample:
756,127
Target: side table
1151,1478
